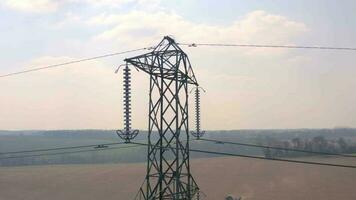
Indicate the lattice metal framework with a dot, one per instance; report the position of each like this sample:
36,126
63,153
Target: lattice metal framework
168,168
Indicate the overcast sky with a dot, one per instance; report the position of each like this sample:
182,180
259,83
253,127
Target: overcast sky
246,87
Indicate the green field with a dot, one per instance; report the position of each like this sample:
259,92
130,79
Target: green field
117,174
30,140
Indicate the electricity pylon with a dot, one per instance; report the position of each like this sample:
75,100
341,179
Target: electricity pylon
168,166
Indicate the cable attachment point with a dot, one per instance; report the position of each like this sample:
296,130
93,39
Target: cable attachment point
197,133
127,134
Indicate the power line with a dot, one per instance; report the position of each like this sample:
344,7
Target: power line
264,158
60,148
278,148
68,152
65,148
273,159
185,44
72,62
193,150
268,46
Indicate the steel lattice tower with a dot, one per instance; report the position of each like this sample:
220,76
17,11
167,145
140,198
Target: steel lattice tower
168,168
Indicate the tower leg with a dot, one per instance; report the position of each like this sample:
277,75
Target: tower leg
168,167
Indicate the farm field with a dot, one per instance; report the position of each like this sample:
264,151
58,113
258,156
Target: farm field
217,177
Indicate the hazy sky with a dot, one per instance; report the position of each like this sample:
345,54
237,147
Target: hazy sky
246,87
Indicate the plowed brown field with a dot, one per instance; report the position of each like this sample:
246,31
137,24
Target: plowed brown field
217,177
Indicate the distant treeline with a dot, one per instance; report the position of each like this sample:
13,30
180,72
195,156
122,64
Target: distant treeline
315,144
340,140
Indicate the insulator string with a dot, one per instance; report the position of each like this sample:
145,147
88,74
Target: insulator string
197,133
127,98
197,109
127,134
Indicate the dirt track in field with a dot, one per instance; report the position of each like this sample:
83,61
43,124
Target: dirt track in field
217,177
